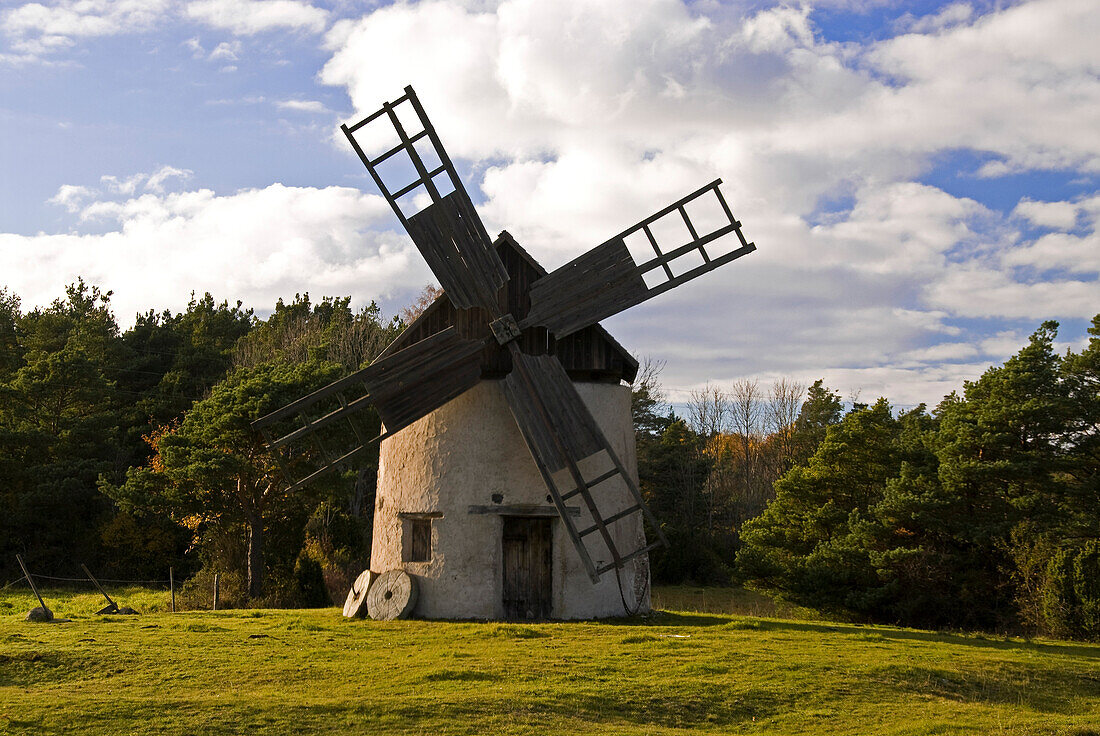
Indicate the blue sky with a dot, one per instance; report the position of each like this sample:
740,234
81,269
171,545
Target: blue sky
922,179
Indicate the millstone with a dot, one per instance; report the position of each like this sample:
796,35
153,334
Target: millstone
393,595
356,604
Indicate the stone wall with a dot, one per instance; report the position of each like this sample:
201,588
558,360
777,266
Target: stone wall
464,465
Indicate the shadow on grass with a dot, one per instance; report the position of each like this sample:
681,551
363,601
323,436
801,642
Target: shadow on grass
26,668
1042,690
668,618
872,632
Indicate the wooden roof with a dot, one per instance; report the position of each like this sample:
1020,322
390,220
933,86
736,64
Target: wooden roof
590,354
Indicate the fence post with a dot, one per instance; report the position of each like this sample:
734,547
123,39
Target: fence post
30,580
172,587
112,607
215,591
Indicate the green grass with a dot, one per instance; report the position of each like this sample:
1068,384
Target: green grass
279,672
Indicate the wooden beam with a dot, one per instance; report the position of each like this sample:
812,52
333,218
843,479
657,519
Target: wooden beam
523,509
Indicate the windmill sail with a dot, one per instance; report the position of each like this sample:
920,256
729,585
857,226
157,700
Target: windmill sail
423,377
403,387
562,436
574,458
607,279
448,232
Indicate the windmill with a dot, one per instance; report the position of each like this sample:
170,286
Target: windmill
519,325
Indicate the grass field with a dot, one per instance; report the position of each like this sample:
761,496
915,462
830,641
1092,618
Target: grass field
282,672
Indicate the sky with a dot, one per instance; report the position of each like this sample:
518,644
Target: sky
921,179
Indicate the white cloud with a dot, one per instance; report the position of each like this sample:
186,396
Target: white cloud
903,228
974,290
155,181
249,100
126,186
37,30
582,118
226,50
72,197
951,15
249,17
302,106
195,46
256,245
778,29
1077,255
1057,215
577,119
993,85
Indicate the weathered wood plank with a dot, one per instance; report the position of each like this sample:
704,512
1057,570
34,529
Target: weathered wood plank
560,432
448,232
587,354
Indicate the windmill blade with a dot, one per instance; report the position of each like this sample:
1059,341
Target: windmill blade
415,381
562,435
403,387
607,279
448,232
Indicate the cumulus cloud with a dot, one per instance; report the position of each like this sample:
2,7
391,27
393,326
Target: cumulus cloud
128,185
1058,215
256,245
577,126
572,120
951,15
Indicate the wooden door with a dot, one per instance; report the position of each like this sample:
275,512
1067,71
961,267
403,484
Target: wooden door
527,556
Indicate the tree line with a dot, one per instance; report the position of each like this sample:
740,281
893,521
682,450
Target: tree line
981,513
130,451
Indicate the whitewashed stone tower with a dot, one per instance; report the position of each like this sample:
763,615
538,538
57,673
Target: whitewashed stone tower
461,506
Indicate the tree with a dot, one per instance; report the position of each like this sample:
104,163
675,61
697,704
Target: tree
648,404
170,362
1045,411
821,410
982,515
213,468
10,352
781,414
673,473
58,425
802,544
424,299
328,330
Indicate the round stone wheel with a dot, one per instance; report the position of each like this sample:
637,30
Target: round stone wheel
393,595
356,604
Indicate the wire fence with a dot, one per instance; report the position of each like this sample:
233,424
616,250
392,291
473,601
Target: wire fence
97,583
89,580
103,580
166,583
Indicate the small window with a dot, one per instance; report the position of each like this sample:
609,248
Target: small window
418,547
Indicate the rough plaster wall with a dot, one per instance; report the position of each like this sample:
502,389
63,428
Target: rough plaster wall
460,456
